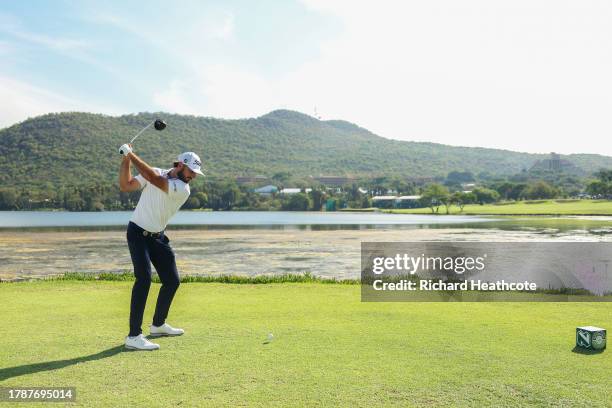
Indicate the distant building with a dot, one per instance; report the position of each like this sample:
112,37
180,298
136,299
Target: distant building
384,198
291,191
389,201
266,190
554,163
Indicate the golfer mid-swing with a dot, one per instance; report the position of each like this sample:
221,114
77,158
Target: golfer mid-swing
164,192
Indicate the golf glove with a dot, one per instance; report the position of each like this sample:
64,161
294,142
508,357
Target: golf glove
125,149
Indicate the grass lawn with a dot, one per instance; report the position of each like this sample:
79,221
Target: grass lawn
550,207
329,349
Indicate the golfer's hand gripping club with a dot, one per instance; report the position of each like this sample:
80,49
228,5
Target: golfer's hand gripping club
125,149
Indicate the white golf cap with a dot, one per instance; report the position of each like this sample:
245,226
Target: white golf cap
191,160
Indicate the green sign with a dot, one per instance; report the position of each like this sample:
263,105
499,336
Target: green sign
591,338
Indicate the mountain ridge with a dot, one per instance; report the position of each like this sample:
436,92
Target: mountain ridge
76,146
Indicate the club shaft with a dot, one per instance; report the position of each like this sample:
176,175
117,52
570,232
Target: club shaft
142,130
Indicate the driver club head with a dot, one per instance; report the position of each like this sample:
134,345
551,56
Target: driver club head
159,124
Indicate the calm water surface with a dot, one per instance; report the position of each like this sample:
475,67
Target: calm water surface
35,244
255,218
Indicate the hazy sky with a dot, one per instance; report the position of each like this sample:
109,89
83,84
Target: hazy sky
522,75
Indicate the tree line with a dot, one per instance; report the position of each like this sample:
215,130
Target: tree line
226,194
216,196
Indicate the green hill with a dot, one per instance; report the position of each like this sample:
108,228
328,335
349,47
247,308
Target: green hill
79,147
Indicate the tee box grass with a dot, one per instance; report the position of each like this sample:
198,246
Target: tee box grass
328,348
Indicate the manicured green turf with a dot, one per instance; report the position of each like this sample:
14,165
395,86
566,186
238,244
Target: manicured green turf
329,349
549,207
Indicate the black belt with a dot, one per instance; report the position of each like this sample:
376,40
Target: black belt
152,234
146,233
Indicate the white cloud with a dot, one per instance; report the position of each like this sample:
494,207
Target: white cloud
173,98
522,75
6,48
12,26
223,29
75,49
527,75
20,101
217,87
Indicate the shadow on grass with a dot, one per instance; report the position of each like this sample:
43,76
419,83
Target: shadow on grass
10,372
580,350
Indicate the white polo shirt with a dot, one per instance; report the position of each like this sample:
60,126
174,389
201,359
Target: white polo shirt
155,207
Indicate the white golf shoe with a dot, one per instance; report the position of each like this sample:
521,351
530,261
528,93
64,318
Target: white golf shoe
140,342
165,330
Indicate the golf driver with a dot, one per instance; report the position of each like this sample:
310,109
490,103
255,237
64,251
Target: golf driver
158,124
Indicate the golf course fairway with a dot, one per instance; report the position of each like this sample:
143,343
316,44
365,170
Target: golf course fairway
328,348
538,207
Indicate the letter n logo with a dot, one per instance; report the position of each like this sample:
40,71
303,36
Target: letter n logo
583,338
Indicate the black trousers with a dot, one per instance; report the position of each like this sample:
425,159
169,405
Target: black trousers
144,251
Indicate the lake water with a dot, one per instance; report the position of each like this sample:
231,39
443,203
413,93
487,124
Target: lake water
18,219
35,244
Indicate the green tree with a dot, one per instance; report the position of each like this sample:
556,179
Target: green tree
191,203
297,202
504,188
73,201
318,199
366,202
230,197
540,190
202,199
599,188
604,175
8,199
433,196
460,199
281,177
485,195
458,177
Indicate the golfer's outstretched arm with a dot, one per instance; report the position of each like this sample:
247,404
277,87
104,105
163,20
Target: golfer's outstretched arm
127,183
148,173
